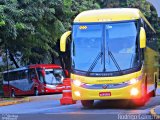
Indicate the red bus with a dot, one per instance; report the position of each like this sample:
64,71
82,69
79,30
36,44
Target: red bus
33,80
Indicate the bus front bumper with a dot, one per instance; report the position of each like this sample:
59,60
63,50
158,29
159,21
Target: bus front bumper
53,88
128,92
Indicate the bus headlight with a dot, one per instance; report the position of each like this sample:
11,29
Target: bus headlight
50,86
77,93
77,83
133,81
134,92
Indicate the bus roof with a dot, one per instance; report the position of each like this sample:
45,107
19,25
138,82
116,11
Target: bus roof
111,14
35,66
17,69
44,66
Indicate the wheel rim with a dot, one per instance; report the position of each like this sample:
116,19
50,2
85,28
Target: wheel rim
13,94
36,92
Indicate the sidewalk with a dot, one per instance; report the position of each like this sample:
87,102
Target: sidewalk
5,102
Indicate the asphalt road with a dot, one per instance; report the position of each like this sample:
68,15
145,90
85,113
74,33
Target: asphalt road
48,107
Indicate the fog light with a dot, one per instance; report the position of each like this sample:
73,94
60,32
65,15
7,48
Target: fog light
77,93
134,91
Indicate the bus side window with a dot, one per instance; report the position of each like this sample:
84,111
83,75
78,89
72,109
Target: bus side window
19,75
142,23
142,54
147,32
13,76
5,77
40,75
24,74
32,75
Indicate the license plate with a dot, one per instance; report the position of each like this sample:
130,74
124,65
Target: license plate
101,94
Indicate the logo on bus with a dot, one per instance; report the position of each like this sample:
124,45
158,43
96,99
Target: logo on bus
82,27
104,86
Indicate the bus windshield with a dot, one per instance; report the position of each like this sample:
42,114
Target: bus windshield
54,76
103,47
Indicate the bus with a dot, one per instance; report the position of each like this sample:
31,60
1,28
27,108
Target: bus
33,80
112,56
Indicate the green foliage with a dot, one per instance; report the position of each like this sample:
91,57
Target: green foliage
2,23
147,9
31,29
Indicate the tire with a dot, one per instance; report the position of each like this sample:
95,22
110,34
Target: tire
156,83
36,92
87,103
13,94
154,91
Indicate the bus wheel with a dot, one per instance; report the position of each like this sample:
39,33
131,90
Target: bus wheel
156,82
87,103
153,93
13,94
36,92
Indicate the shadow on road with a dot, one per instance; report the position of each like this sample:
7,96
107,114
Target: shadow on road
108,104
122,104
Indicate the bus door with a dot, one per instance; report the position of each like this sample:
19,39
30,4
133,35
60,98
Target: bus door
33,79
41,78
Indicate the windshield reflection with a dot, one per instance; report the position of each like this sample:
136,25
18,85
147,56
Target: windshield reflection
54,76
118,38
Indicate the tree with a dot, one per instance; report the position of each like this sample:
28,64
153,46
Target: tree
30,30
147,9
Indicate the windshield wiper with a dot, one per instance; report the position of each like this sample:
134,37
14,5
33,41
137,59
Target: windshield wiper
114,61
100,54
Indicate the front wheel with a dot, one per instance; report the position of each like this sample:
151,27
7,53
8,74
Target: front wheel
154,91
36,92
87,103
13,94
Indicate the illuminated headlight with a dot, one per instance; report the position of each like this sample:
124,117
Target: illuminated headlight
50,86
77,83
77,93
133,81
134,92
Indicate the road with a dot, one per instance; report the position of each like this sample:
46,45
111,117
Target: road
48,106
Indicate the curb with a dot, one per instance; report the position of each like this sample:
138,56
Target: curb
154,114
15,101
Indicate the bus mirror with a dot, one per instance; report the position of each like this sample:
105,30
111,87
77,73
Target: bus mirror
66,73
142,38
43,73
63,41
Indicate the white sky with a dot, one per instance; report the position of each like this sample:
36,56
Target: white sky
156,4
